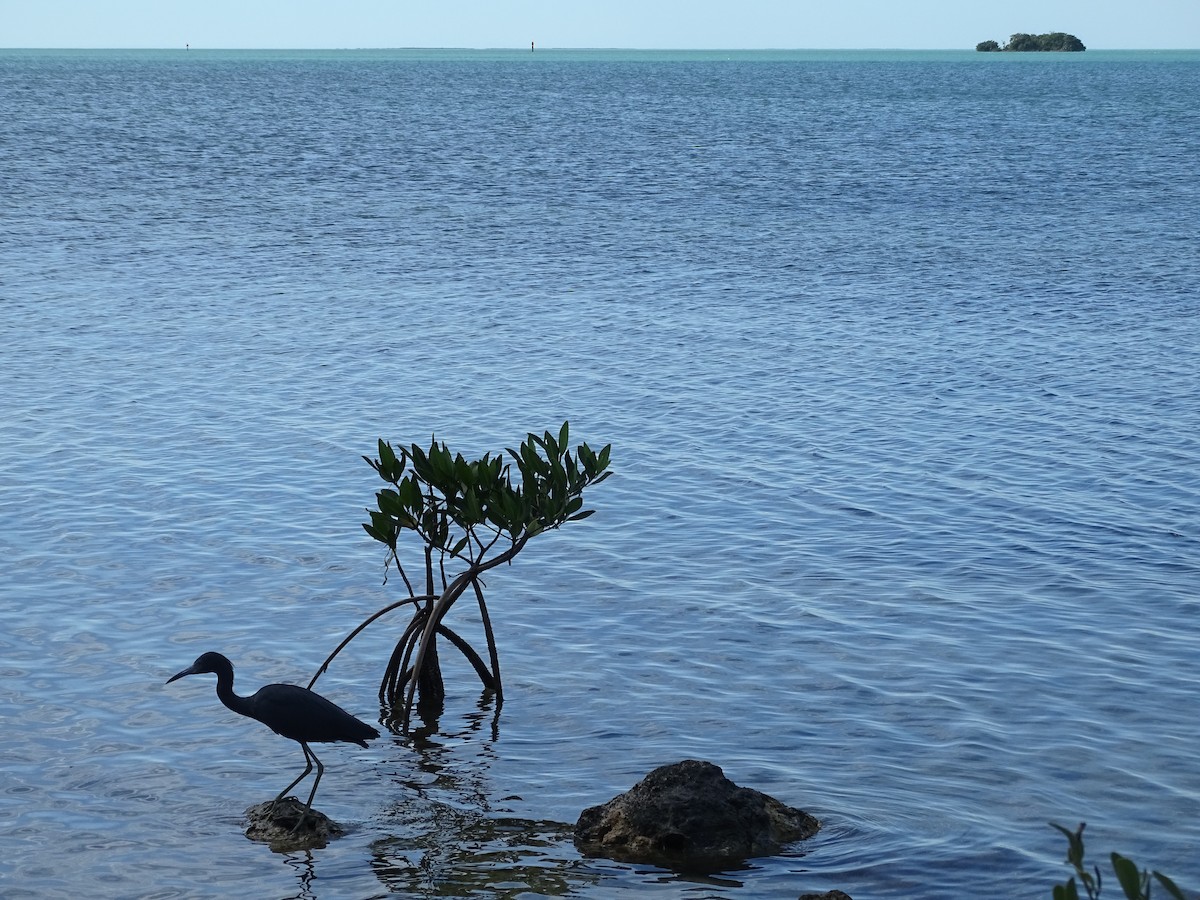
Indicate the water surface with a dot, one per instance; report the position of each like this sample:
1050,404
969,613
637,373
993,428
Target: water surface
897,353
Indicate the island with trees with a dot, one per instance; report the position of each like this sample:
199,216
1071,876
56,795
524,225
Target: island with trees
1055,41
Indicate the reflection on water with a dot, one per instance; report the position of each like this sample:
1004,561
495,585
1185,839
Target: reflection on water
447,838
458,852
304,865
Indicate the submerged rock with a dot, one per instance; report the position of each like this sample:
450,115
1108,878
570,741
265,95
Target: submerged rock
689,816
277,826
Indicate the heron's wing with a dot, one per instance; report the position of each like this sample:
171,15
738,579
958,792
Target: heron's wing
302,715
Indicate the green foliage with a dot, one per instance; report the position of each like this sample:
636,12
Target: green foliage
1021,42
473,515
462,508
1135,883
1055,41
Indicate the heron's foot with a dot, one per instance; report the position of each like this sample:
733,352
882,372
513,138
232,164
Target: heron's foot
290,824
282,811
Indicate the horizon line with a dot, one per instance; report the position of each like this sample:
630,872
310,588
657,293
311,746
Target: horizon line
519,49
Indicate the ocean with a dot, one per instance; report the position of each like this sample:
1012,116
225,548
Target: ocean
898,356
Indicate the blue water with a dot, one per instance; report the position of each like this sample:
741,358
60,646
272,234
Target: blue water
898,356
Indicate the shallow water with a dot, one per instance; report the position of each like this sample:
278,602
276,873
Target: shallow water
897,355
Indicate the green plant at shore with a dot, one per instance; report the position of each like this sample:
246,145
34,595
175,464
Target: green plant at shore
467,517
1134,882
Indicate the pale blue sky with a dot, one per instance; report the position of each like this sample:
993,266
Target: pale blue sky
658,24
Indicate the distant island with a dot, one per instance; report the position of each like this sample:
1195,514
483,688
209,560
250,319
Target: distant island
1057,41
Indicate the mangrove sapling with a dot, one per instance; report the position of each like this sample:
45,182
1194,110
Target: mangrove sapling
468,516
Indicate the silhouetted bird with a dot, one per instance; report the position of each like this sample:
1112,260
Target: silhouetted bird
289,710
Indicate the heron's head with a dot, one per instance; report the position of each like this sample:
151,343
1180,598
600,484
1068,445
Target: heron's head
207,662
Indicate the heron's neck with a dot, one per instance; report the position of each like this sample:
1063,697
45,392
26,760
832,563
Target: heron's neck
226,695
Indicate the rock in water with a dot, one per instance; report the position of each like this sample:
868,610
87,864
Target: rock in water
275,826
689,816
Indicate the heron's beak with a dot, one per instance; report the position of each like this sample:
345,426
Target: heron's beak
190,670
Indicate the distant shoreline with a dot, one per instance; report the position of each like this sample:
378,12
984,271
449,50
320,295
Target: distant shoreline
548,54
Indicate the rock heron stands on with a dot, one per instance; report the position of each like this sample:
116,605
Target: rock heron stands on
287,709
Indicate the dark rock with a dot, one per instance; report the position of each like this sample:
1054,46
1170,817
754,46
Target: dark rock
829,895
689,816
277,826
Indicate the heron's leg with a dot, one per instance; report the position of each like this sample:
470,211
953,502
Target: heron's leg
307,769
320,771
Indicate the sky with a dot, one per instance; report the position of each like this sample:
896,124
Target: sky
633,24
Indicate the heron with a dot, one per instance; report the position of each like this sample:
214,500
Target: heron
289,710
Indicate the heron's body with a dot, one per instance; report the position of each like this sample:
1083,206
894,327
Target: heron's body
298,713
288,710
